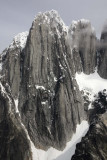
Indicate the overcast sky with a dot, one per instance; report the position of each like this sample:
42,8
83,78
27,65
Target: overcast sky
17,15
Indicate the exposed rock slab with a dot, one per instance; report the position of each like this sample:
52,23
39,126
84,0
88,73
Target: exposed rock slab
14,144
10,63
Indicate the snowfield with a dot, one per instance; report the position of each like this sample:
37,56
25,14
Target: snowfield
67,153
92,83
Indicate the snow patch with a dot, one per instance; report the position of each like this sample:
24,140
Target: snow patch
0,66
19,40
40,87
55,79
44,103
16,104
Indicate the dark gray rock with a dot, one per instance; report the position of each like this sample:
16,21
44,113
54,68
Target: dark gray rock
50,102
102,59
83,43
14,144
10,63
94,145
11,70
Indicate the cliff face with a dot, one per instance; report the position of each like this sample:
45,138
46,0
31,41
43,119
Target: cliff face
14,143
94,145
50,102
10,63
102,66
83,44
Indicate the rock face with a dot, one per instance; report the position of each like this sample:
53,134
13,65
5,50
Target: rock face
50,102
10,63
102,66
83,44
14,144
40,69
94,145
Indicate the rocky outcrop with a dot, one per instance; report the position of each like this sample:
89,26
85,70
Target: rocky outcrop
14,144
102,59
94,145
83,43
50,102
10,63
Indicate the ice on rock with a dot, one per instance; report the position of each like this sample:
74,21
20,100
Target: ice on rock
40,87
52,18
44,103
19,40
0,66
16,104
81,24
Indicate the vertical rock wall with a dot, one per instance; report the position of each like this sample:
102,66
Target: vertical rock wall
102,59
50,102
14,144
